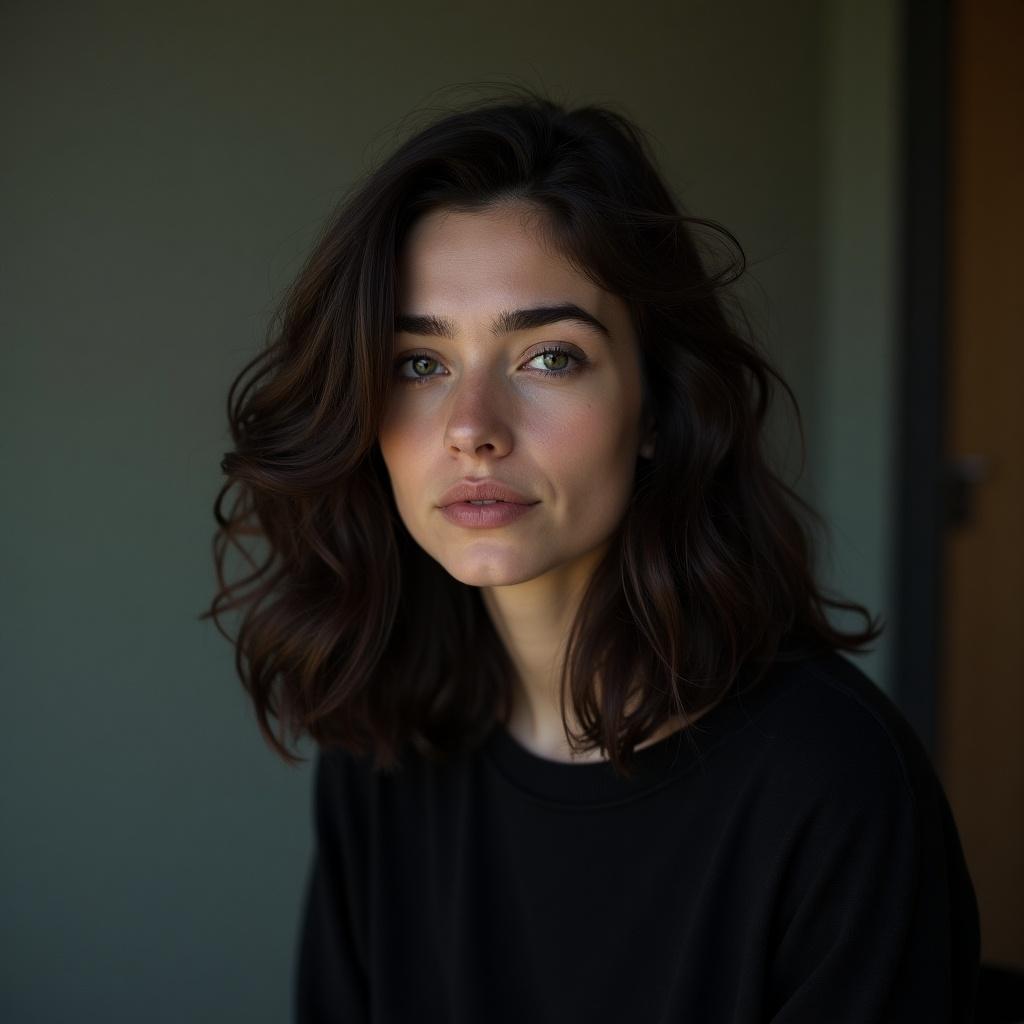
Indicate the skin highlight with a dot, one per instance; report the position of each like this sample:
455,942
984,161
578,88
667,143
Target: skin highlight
478,405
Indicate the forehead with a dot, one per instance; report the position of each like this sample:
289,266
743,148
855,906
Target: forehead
494,257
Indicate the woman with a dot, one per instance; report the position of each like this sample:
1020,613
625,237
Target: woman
588,748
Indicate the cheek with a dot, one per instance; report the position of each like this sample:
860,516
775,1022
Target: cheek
397,449
390,429
402,428
588,448
594,428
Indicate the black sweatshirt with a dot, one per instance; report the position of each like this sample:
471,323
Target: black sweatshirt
803,867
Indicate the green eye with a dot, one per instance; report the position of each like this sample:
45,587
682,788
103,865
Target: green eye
551,352
421,359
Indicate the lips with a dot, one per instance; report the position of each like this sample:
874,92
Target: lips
483,490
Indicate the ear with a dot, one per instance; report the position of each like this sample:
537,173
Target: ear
650,436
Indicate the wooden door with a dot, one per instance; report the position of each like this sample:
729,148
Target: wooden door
980,746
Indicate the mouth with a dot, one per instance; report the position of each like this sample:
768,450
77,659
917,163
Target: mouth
486,513
483,490
488,501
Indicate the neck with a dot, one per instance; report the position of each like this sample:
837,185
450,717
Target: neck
533,620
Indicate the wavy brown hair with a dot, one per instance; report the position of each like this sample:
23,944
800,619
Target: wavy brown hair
350,633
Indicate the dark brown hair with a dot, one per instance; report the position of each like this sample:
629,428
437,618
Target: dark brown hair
350,632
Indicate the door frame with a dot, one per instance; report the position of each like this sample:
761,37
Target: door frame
921,491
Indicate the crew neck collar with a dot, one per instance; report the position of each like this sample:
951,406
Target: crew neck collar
597,782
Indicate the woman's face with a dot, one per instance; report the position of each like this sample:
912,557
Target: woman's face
478,406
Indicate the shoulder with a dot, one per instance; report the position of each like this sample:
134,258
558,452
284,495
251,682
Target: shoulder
841,778
875,910
825,726
341,782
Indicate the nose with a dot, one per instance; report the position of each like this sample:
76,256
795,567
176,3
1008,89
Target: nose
476,423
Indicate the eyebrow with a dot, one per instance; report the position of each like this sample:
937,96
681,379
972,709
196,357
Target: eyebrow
506,322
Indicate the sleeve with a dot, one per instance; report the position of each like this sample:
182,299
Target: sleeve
879,921
330,982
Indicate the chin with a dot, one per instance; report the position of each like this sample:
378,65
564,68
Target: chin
490,575
490,569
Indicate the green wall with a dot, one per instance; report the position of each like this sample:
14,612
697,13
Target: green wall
857,365
164,170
